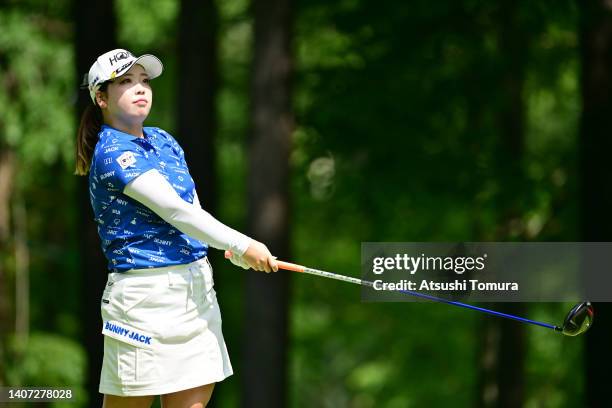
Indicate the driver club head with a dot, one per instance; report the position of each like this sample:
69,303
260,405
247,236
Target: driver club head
579,319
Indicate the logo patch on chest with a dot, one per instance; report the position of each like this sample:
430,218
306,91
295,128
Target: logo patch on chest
126,160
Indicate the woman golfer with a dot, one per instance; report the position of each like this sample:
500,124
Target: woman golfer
161,320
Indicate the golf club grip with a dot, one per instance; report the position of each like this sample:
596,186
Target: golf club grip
288,266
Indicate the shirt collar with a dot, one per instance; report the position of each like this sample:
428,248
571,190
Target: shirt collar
145,131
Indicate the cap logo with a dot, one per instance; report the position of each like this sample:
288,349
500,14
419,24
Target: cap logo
123,68
119,56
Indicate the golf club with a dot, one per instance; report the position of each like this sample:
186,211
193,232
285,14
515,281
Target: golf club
578,320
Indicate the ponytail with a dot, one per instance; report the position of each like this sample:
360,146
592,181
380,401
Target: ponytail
87,136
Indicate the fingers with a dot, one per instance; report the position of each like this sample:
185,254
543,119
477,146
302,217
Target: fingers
261,264
272,263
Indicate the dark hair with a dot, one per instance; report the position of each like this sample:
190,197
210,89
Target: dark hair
87,135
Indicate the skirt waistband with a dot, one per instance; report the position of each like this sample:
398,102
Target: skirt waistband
165,269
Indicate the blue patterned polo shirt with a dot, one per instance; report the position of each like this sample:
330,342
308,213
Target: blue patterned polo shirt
133,236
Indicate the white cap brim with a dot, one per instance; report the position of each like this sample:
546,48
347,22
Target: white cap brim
151,64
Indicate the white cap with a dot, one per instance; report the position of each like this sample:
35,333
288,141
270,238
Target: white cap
117,62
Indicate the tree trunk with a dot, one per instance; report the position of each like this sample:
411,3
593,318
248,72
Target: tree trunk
595,176
7,174
95,28
22,271
197,91
198,84
503,342
267,296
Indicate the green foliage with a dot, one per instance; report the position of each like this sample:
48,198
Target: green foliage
37,94
49,360
37,89
551,363
402,102
144,24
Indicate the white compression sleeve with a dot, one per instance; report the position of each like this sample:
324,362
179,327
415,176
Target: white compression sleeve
196,199
154,191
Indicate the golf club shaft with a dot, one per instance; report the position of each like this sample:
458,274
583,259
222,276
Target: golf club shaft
300,268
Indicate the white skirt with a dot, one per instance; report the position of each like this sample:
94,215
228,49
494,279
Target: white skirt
162,331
